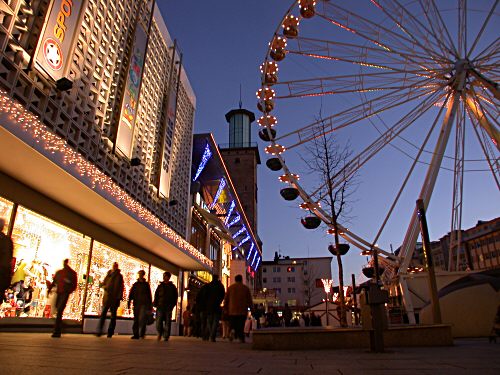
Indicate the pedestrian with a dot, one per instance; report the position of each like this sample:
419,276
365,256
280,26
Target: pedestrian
307,319
213,296
165,301
6,249
201,312
186,321
238,301
113,294
226,326
140,296
65,280
287,315
258,314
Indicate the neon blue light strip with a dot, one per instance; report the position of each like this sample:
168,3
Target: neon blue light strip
207,154
234,221
250,251
257,265
253,260
247,238
230,212
244,229
222,185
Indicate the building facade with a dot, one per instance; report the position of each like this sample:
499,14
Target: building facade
296,281
220,227
96,119
480,249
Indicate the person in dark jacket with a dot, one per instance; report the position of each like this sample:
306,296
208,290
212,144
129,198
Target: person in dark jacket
113,294
165,301
66,282
140,296
213,293
6,249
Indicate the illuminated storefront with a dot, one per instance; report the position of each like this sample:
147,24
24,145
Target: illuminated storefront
40,246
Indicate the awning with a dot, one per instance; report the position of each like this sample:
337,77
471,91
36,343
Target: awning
26,161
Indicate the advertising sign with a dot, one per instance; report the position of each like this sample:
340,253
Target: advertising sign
56,44
130,101
164,185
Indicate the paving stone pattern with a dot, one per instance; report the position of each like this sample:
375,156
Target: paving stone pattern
38,353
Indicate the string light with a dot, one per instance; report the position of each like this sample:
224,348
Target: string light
230,211
207,154
222,185
30,124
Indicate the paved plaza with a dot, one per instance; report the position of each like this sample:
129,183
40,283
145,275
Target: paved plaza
38,353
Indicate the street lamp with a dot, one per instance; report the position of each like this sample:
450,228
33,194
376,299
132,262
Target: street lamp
327,286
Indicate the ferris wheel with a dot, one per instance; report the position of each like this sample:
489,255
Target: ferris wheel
411,84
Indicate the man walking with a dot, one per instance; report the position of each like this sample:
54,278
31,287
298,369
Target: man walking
238,301
214,295
113,294
140,296
6,249
65,281
165,301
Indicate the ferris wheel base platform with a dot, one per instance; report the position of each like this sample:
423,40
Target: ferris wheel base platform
314,338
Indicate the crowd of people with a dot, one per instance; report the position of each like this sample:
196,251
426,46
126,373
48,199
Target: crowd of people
229,313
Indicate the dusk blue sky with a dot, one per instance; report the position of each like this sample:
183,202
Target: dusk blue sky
223,43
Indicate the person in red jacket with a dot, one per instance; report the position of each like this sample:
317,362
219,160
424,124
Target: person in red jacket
65,281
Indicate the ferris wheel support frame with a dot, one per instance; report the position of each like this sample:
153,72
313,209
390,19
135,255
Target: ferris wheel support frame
411,236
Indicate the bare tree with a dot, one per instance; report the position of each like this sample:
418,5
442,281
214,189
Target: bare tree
309,276
327,159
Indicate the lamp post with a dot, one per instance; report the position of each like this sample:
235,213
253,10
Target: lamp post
327,286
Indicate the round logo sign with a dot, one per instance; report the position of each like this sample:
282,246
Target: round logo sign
53,54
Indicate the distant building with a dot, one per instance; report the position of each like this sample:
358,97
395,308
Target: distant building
296,281
480,248
241,157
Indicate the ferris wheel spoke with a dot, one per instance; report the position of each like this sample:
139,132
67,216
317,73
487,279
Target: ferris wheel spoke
414,28
462,27
365,55
374,33
485,143
488,52
416,160
382,141
457,193
355,83
355,114
483,27
437,24
478,110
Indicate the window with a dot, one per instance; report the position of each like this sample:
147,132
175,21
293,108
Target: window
291,290
237,161
264,279
276,269
278,290
264,269
291,279
276,279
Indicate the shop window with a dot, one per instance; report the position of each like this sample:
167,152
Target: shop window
156,277
5,212
103,258
40,246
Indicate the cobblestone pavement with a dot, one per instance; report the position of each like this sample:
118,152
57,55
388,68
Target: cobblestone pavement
38,353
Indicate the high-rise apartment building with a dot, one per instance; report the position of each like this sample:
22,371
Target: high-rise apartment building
96,120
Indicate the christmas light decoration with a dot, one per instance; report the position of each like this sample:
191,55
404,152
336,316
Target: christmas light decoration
222,185
243,229
253,260
258,262
30,124
207,154
247,238
234,221
250,251
230,211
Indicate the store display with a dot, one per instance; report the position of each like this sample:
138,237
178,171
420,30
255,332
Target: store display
40,246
